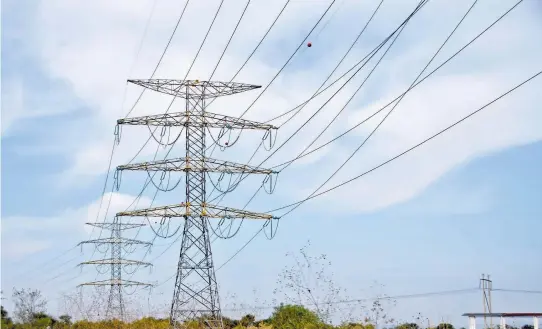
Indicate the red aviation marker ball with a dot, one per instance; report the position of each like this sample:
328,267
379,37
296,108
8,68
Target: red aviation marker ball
309,44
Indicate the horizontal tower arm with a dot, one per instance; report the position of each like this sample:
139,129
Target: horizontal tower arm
113,226
119,282
116,240
207,165
112,261
196,89
181,119
206,210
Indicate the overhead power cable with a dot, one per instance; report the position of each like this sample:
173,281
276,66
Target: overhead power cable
380,165
296,204
162,56
344,84
287,62
141,94
338,64
366,59
204,39
399,30
131,69
388,114
257,46
145,31
519,291
229,40
360,300
399,96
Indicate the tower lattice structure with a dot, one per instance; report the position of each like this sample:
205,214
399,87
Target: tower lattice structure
116,244
195,294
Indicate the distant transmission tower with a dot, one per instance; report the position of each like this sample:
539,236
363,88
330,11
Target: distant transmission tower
486,285
196,293
115,244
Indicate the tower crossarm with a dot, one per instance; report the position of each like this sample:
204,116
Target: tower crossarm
116,282
119,226
205,165
207,119
203,210
113,261
116,240
194,88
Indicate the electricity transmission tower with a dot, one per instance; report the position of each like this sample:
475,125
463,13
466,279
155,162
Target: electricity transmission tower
195,294
486,285
115,244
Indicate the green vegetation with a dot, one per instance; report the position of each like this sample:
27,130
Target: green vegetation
283,317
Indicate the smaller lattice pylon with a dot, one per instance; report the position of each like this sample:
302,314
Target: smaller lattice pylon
115,303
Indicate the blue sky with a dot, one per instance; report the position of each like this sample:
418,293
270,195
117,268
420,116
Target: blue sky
466,203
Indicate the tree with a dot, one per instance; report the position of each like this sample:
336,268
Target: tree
66,319
248,320
294,317
528,326
408,326
309,281
6,320
27,304
444,326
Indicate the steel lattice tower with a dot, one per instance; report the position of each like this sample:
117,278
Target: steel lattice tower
116,243
196,292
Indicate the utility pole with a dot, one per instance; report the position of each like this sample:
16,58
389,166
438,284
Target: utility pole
486,285
115,244
195,295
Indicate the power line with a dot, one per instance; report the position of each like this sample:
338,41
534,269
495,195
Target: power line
145,31
519,291
142,92
384,163
369,56
337,115
229,40
288,61
360,300
340,88
389,113
147,24
204,39
258,45
413,147
399,96
162,56
336,66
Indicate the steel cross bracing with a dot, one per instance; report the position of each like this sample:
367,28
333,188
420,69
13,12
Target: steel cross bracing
115,302
195,295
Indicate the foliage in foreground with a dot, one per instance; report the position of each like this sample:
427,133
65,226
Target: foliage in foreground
283,317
